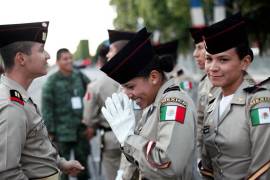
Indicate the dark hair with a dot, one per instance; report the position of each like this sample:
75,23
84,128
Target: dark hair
9,51
60,52
160,63
103,50
242,50
1,69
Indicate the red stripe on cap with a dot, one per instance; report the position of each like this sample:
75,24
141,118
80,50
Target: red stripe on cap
123,62
226,30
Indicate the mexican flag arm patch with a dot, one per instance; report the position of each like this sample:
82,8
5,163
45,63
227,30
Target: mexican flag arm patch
186,85
173,113
260,116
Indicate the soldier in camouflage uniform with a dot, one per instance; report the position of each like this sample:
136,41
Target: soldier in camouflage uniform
62,110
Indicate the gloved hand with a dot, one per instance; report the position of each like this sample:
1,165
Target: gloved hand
120,115
119,174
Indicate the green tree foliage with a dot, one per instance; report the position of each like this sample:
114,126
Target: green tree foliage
258,15
82,51
172,18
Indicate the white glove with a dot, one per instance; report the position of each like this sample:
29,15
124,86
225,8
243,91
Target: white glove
120,115
120,173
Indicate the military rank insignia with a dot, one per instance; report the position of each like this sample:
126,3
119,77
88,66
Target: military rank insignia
173,113
260,116
16,96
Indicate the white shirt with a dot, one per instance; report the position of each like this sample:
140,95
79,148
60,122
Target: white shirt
225,101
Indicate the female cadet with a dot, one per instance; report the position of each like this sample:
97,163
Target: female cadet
163,143
236,132
206,91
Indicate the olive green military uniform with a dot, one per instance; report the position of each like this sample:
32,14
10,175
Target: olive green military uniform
94,99
206,92
25,149
164,144
62,109
236,143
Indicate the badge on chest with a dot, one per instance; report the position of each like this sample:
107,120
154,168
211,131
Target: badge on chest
76,102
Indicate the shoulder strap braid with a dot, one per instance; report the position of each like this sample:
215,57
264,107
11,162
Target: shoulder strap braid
172,88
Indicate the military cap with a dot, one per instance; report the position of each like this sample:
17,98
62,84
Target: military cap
115,35
197,34
225,34
11,33
169,48
132,59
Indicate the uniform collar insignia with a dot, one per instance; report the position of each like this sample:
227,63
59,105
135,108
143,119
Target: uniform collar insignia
16,96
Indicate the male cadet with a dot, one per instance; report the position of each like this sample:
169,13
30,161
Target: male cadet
26,151
94,99
206,91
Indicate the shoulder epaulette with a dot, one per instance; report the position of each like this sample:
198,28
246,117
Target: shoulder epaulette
257,87
172,88
16,96
267,80
203,77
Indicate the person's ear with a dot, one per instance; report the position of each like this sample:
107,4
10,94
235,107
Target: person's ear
20,58
154,77
245,62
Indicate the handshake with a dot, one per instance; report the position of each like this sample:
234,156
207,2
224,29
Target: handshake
119,113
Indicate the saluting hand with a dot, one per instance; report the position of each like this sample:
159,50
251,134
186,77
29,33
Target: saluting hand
119,113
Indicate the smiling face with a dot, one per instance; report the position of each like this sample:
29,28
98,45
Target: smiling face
144,90
65,62
199,55
225,70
